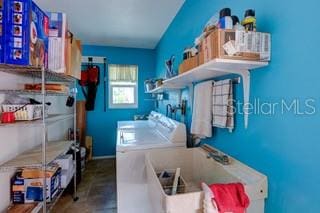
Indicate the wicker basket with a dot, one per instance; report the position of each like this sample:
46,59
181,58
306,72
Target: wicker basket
27,113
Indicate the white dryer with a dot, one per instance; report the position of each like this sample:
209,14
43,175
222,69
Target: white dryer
134,140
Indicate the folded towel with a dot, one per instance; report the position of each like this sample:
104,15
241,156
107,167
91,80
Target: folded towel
222,104
230,197
201,124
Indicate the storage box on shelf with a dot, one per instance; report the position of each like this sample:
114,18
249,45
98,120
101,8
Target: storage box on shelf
27,184
230,44
27,207
20,46
189,64
65,162
200,57
57,41
66,176
64,49
235,44
49,87
73,57
25,113
2,39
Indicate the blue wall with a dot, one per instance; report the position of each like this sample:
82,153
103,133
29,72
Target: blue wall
102,125
286,146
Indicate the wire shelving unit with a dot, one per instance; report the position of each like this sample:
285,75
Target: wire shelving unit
45,153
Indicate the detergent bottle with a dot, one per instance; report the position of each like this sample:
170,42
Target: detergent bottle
249,21
225,21
236,23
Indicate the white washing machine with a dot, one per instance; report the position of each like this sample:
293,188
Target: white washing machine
134,140
152,121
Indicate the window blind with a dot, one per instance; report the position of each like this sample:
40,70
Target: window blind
123,73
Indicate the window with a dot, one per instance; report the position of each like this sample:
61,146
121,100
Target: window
123,86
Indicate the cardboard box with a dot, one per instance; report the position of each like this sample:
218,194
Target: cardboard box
57,41
200,58
65,51
2,15
188,64
27,185
26,34
254,42
65,162
66,176
241,45
73,57
25,208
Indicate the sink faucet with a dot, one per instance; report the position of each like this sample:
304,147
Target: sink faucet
215,155
223,159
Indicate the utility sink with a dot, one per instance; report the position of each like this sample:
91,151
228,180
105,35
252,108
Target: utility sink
196,168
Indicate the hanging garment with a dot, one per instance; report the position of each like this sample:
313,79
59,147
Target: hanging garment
222,104
90,79
230,197
201,125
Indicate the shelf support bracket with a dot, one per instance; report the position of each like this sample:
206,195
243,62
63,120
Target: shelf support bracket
191,91
245,74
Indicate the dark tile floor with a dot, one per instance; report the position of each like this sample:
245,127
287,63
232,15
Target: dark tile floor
96,192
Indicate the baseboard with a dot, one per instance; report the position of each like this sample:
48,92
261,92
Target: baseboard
104,157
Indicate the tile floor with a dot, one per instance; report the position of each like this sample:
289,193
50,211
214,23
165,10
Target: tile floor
96,192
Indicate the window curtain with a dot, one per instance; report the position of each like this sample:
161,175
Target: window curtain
122,73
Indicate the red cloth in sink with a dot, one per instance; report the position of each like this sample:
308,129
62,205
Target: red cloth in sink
230,197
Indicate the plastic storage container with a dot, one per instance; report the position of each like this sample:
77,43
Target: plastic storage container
27,113
195,169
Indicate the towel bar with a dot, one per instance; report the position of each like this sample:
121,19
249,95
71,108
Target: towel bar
234,80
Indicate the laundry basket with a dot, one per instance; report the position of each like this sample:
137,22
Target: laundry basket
26,113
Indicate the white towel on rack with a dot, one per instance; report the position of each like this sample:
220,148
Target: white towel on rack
201,124
222,104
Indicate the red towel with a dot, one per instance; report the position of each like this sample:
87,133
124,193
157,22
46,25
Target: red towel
230,197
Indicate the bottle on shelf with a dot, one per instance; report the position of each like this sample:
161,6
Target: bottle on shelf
249,22
225,21
236,23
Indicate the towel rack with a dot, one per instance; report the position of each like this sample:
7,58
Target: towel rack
234,80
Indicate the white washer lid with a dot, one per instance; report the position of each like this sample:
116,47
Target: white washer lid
135,139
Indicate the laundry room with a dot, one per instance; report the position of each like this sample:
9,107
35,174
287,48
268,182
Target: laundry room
148,106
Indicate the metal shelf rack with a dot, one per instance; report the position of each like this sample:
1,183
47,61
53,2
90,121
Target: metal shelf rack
45,153
32,92
51,119
32,158
35,72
